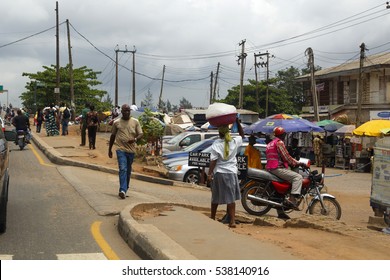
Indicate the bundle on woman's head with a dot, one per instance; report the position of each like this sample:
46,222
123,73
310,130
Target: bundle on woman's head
224,130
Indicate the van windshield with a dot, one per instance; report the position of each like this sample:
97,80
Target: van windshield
175,139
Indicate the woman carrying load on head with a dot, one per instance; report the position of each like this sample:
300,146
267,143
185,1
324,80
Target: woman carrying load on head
225,188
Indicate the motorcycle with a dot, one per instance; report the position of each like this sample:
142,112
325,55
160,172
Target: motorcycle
21,139
263,191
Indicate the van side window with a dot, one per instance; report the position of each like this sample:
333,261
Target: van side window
190,139
207,136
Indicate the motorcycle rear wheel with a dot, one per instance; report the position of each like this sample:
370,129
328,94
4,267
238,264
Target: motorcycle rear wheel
255,207
333,209
21,143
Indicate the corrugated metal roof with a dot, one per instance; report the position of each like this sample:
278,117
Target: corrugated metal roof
370,62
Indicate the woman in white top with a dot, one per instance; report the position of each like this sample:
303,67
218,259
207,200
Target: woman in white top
225,187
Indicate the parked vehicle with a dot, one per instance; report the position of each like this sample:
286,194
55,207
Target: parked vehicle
179,169
4,176
185,139
264,191
195,147
2,124
380,183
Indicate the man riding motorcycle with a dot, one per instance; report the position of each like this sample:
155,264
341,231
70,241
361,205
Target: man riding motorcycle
21,122
278,160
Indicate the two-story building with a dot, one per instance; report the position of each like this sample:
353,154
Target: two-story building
338,90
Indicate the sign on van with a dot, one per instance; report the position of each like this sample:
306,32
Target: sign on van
203,160
199,159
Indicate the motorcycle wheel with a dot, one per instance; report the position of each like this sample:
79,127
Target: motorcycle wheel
21,143
255,207
333,209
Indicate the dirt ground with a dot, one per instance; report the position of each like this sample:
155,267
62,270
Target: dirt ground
351,238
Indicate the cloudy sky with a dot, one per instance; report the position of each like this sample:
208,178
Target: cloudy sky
189,37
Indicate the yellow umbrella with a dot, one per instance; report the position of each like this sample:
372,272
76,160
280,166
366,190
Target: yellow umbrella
372,128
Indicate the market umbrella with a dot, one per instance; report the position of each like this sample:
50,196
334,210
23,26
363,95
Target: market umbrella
345,130
326,122
372,128
329,125
288,122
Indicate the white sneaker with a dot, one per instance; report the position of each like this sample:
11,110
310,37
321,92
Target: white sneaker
122,195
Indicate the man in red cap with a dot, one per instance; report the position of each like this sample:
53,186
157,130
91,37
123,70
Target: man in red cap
278,160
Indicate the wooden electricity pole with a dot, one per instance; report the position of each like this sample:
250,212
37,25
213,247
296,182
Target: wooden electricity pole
133,52
360,91
161,90
71,83
241,61
57,89
309,52
215,83
211,87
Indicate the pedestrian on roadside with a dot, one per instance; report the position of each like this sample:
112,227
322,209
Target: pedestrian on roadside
253,154
65,117
40,118
51,121
225,187
317,147
92,126
83,124
125,133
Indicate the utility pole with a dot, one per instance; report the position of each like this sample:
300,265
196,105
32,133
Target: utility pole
116,76
257,84
360,92
241,58
161,90
57,89
133,52
211,87
117,50
310,63
265,64
71,82
215,82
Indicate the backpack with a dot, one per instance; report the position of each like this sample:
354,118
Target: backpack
66,114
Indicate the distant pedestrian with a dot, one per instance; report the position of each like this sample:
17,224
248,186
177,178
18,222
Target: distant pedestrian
51,122
65,117
40,118
83,124
253,154
92,126
317,147
126,131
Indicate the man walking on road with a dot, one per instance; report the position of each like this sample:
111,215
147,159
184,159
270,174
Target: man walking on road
125,132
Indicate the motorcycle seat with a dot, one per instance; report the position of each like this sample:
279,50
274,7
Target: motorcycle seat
254,173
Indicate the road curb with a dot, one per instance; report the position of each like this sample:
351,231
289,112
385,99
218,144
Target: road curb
147,240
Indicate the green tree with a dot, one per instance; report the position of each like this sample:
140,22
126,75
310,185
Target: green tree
148,101
286,83
41,87
185,104
152,128
284,94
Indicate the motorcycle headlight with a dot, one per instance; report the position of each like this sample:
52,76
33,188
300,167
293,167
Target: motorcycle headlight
319,178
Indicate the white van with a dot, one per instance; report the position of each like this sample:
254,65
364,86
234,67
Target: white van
185,139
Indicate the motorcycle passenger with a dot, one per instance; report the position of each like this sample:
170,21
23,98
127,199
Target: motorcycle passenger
21,122
278,160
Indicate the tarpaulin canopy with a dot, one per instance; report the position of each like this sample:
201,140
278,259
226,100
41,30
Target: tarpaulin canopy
372,128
